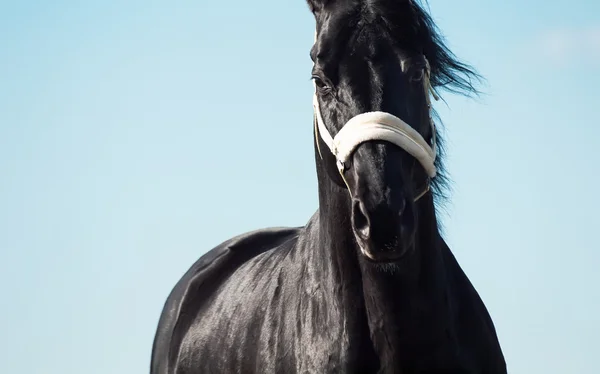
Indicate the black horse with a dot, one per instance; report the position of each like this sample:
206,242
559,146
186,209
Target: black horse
368,285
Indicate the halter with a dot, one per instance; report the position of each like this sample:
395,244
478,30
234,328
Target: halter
379,126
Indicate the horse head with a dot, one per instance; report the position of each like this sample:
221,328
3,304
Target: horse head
375,65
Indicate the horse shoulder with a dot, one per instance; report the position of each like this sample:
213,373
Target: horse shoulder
196,286
474,320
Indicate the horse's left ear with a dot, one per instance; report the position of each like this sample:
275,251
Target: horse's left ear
317,5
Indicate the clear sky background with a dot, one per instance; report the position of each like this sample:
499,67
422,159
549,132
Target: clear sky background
136,135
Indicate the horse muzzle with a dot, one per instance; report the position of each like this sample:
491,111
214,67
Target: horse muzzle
385,229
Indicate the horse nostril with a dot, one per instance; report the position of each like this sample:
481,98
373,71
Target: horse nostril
360,220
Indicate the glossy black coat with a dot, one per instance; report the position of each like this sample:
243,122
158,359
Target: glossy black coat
305,300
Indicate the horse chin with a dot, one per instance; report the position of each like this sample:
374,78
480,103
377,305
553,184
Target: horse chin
385,257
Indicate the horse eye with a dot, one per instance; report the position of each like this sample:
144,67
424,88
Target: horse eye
319,82
417,76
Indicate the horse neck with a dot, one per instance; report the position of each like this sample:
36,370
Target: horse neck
339,255
406,304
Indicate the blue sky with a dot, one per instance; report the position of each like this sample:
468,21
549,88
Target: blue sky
135,136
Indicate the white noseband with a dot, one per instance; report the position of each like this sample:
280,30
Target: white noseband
378,126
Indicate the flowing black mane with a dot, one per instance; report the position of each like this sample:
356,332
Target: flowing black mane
321,298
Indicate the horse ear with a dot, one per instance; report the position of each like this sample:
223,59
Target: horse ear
313,5
316,5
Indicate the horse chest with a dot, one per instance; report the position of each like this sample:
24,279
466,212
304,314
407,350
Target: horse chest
268,346
299,334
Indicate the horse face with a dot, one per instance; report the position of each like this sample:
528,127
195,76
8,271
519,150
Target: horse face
358,68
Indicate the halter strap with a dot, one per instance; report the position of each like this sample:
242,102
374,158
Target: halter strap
375,126
379,126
